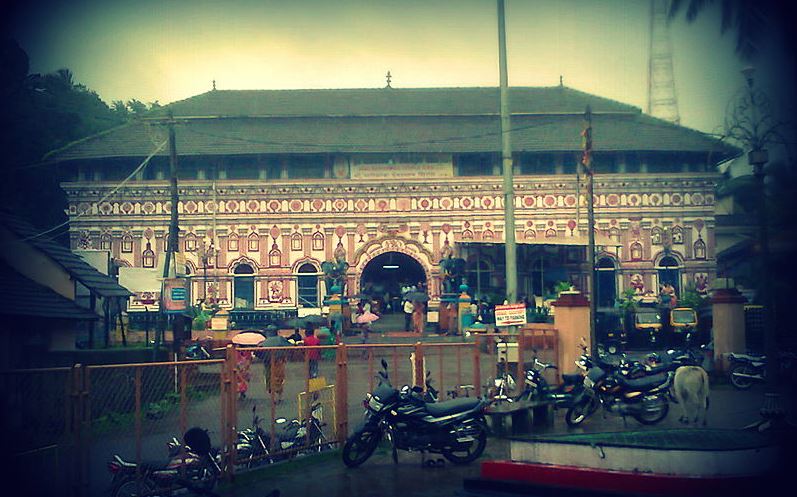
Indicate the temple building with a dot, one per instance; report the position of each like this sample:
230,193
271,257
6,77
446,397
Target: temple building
273,183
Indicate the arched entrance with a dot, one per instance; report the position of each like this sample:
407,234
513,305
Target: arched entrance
384,275
670,272
244,286
605,282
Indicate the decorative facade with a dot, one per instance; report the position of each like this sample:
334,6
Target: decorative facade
260,211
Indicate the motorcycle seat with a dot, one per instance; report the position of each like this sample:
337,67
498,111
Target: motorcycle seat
746,357
644,383
572,379
155,464
452,406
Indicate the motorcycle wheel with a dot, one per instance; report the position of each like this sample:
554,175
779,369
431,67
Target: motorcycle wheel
739,382
651,418
133,487
577,413
472,452
359,447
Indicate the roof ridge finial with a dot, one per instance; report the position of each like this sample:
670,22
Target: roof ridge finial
214,85
388,77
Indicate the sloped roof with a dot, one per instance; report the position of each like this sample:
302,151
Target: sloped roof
24,297
448,120
388,102
82,271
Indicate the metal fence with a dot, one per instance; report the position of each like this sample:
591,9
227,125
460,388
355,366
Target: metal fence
305,399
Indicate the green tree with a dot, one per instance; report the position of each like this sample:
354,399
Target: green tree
40,113
137,107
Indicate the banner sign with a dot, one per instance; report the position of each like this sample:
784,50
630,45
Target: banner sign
175,295
511,314
402,171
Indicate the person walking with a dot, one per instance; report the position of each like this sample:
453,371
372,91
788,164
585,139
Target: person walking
408,308
242,373
313,355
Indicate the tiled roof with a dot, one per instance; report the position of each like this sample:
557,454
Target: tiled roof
449,120
24,297
85,273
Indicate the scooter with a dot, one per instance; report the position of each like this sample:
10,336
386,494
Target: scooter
747,369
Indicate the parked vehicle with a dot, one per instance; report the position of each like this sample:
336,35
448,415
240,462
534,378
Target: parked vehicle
746,369
538,389
647,326
197,469
610,332
646,399
454,428
683,321
197,351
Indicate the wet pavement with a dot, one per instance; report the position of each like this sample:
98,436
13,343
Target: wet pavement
325,475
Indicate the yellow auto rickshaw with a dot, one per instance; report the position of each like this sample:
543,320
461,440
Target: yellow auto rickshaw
683,322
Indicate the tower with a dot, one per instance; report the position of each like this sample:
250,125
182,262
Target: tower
662,100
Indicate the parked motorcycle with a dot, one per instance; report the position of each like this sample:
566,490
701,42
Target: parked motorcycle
197,469
645,399
746,369
454,428
196,351
538,389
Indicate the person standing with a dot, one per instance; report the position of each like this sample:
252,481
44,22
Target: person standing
242,373
417,318
314,354
408,308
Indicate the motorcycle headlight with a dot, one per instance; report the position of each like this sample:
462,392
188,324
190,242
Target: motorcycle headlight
374,404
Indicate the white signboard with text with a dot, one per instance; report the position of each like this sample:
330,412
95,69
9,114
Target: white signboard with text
402,171
510,314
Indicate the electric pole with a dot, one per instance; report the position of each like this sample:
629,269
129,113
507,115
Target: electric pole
586,161
506,161
171,244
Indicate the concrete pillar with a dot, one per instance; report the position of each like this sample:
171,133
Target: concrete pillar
728,325
464,316
571,320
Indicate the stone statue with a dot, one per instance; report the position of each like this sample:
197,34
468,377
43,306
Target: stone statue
335,272
453,270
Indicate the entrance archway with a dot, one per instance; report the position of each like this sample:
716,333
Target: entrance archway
384,275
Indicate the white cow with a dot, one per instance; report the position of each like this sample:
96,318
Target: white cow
690,389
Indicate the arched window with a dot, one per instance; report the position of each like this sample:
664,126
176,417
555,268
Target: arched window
105,242
550,233
669,272
614,235
274,256
296,241
700,248
232,242
605,282
190,243
655,236
529,234
318,241
148,257
636,251
488,235
307,280
127,244
244,286
677,235
253,243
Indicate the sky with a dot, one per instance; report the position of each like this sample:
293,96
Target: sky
169,50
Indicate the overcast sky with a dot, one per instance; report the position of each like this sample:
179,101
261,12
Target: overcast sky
168,50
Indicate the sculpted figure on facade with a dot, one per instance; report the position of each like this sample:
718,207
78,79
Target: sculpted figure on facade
453,269
335,270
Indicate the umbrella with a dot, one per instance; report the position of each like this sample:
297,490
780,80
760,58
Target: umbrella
247,338
417,297
368,317
275,341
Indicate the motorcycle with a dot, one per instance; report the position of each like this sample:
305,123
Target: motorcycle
196,351
746,369
538,389
196,469
645,399
454,428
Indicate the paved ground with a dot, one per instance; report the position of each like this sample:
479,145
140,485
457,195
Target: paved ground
328,476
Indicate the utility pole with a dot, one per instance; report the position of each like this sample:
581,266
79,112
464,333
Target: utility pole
171,244
586,161
506,161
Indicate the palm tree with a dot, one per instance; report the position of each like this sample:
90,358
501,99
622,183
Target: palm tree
750,18
66,77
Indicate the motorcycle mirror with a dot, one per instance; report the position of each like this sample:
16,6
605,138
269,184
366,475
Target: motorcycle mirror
280,421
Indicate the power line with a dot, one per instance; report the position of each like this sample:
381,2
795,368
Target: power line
103,199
